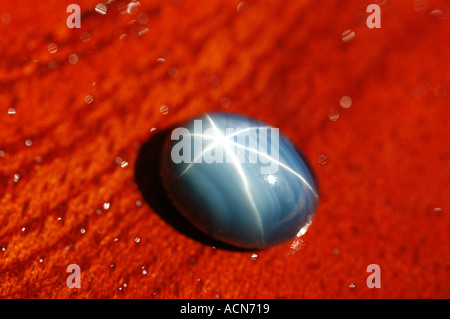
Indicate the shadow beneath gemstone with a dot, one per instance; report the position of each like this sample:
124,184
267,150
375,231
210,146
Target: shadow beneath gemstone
150,185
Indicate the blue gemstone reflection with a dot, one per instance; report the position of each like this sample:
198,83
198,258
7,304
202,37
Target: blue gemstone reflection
239,180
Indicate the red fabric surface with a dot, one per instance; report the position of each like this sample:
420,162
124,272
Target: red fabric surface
382,166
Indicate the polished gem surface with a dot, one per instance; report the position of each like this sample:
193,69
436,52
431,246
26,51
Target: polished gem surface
239,180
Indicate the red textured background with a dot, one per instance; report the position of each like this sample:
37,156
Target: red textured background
384,183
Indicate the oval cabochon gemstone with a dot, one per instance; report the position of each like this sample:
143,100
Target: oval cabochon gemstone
239,180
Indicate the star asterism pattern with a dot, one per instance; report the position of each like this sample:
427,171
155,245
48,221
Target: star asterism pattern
239,180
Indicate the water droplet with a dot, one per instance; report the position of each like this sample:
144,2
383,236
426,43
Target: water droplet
348,35
173,72
352,285
2,153
144,272
52,48
143,30
143,18
59,218
118,160
41,260
241,7
214,80
136,145
23,229
439,14
296,245
16,178
3,249
85,37
124,164
225,102
153,129
336,251
164,109
116,239
254,257
11,111
88,99
346,102
28,142
106,206
52,65
123,6
82,230
101,8
6,18
440,91
138,203
161,60
133,7
438,211
137,239
333,115
73,58
322,159
123,37
420,5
